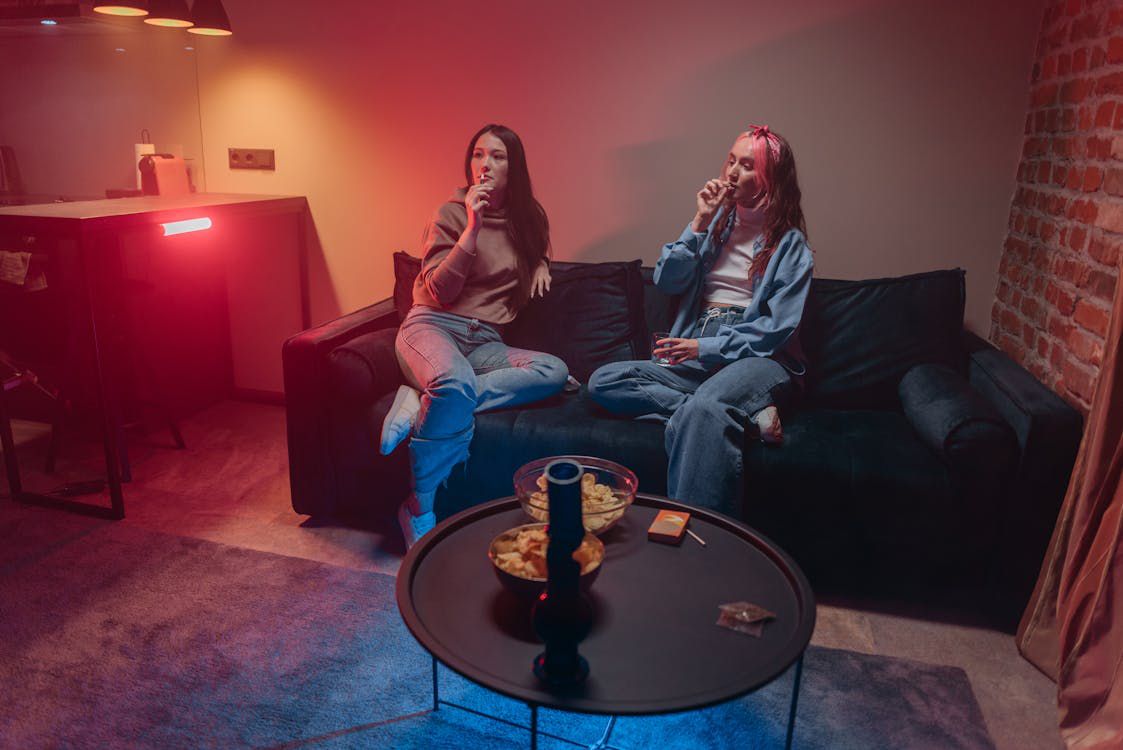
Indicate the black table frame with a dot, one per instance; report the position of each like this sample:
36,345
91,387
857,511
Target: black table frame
603,743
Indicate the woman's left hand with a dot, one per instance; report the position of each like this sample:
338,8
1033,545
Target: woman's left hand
540,281
677,350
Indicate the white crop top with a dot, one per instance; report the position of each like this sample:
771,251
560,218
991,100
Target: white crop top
727,282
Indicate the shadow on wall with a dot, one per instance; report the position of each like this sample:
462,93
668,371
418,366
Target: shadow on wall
323,299
903,167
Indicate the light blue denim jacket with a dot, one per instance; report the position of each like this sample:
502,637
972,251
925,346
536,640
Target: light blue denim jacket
770,326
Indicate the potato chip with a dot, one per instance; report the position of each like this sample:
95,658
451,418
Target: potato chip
600,506
524,555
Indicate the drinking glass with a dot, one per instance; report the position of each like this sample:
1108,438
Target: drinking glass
655,337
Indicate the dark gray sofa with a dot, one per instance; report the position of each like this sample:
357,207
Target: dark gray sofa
918,454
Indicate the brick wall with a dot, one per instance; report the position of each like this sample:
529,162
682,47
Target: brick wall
1060,261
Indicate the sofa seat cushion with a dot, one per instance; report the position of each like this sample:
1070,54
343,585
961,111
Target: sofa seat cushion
578,426
488,473
858,486
565,424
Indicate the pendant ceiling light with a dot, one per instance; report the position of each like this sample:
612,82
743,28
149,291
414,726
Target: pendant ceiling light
123,8
210,18
169,13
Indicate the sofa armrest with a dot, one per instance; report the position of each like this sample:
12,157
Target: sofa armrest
1049,432
333,333
310,402
957,424
363,369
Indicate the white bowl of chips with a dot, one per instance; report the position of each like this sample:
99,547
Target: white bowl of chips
519,558
607,489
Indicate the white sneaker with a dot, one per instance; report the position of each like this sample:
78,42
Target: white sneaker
415,527
399,420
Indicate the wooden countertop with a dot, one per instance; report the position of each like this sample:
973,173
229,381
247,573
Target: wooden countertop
110,214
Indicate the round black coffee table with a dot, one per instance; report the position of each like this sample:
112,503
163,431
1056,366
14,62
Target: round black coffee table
654,647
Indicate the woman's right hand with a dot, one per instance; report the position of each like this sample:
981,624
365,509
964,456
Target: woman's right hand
710,198
476,200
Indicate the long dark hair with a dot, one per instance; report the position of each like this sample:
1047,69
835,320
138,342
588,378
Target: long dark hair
527,224
775,165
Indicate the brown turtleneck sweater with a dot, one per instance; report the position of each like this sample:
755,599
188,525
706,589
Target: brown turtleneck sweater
483,284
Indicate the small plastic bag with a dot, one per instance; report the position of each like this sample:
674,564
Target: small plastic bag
744,617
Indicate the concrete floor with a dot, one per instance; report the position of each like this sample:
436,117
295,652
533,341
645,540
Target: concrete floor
231,486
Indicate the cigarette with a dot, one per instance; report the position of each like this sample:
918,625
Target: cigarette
696,537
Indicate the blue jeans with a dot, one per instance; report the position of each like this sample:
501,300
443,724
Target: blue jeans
708,412
461,366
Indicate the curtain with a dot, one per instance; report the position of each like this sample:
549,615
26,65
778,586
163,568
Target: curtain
1073,627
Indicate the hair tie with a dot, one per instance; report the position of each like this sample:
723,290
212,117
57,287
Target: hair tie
770,138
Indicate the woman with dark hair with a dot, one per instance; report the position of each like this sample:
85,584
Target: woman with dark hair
484,256
741,271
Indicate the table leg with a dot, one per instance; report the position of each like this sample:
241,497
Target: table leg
7,442
436,695
104,392
107,401
602,743
795,698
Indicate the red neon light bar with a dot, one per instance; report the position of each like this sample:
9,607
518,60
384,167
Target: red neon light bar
189,225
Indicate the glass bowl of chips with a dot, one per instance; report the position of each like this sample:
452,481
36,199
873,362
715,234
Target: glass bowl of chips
518,556
607,489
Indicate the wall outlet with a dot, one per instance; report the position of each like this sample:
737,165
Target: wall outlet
251,158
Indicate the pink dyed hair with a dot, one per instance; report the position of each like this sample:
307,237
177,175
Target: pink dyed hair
766,152
774,163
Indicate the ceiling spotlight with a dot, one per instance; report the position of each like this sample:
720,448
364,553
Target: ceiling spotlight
210,18
49,22
125,8
169,14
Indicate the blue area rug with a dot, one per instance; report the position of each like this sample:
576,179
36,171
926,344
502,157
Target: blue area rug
112,636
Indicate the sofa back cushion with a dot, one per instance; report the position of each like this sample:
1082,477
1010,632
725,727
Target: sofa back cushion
593,314
861,337
406,268
658,307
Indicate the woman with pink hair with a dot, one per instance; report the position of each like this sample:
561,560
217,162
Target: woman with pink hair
741,271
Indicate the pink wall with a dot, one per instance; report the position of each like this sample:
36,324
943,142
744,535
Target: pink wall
905,116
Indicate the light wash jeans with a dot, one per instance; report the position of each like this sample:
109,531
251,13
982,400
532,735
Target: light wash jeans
708,412
461,366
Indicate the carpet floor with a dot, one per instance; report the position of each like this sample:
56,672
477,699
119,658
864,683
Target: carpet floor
115,636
